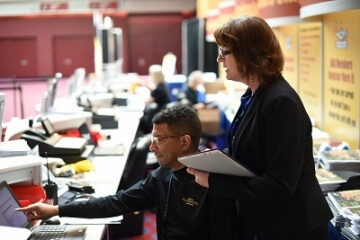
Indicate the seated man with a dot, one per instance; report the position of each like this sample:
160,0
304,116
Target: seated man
184,209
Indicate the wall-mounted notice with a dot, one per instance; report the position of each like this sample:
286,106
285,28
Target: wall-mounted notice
341,76
52,6
310,69
288,38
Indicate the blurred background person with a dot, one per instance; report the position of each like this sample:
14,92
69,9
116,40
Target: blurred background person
193,93
159,97
158,90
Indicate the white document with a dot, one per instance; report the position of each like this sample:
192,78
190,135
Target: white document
90,221
15,232
215,161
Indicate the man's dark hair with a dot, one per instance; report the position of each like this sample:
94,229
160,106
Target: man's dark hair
181,119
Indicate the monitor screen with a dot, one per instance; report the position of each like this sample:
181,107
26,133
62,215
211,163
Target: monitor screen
8,202
49,96
48,127
2,107
52,91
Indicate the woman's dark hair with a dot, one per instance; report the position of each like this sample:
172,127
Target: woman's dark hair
254,46
181,119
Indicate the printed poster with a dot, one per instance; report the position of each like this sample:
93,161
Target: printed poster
310,69
288,38
341,76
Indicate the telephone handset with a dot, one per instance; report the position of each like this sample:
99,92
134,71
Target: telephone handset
35,133
54,145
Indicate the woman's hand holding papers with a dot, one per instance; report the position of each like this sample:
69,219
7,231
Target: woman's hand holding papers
201,178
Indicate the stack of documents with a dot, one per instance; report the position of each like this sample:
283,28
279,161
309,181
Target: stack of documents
344,160
14,148
347,204
328,180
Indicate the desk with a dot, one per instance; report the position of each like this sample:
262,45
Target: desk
106,178
95,232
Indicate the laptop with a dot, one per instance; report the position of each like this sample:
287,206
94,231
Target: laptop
9,217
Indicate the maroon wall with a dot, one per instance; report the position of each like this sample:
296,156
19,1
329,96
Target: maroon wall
44,29
41,45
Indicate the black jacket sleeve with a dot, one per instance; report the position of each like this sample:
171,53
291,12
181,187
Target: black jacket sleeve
138,197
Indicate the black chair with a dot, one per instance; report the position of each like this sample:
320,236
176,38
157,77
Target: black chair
145,124
132,224
136,162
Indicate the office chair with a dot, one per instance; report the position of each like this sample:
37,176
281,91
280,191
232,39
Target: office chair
136,162
132,224
145,124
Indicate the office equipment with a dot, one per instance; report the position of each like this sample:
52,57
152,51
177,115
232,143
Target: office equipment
14,148
52,143
53,85
51,188
215,161
12,218
51,221
81,188
56,145
21,169
17,89
60,122
48,100
75,83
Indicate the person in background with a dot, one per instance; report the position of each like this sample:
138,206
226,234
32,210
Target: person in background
158,90
191,92
184,209
271,135
158,99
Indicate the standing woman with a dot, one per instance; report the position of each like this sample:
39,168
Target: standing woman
271,135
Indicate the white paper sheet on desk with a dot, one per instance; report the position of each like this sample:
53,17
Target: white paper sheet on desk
15,232
90,221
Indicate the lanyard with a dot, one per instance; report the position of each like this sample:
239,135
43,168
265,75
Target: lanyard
180,189
166,208
167,200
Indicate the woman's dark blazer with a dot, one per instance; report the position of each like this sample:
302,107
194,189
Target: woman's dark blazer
274,141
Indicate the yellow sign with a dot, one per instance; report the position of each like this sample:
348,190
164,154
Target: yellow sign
341,76
287,37
310,69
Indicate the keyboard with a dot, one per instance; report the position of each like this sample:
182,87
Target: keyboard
45,232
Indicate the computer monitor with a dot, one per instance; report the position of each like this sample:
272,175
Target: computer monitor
2,108
75,83
53,89
49,96
47,126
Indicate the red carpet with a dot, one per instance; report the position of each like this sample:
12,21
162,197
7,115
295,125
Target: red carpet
149,230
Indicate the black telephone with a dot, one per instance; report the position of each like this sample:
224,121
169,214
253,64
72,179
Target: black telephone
35,133
52,144
36,137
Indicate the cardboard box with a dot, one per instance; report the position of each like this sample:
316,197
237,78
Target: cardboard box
214,87
210,120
